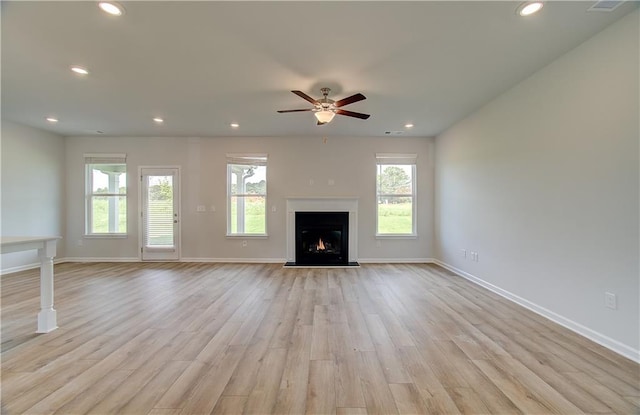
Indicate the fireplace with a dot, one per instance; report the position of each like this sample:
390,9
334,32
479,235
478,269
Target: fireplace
323,204
322,238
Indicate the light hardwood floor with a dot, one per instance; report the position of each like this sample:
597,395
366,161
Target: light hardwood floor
176,338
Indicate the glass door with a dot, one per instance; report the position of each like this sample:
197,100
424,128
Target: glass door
160,214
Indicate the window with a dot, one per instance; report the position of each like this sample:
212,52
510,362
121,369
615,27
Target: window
106,190
396,194
246,194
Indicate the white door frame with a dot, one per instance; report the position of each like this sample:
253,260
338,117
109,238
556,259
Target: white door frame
178,210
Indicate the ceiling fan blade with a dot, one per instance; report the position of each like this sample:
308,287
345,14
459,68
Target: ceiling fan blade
353,114
306,97
349,100
306,109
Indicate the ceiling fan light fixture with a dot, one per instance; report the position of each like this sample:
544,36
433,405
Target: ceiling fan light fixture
324,116
325,108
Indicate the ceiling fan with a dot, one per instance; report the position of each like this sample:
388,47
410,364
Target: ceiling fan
325,108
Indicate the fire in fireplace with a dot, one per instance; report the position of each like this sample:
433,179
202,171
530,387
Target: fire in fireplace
331,246
322,238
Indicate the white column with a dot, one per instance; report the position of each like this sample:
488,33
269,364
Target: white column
47,319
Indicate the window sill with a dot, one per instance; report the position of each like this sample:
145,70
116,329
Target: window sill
106,236
396,236
247,236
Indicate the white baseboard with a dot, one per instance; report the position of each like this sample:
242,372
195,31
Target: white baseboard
208,260
611,344
101,259
20,268
237,260
27,267
396,260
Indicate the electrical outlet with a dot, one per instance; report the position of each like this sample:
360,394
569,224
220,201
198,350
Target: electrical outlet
611,301
273,208
244,244
331,182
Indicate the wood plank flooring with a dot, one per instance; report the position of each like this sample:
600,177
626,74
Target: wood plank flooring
194,338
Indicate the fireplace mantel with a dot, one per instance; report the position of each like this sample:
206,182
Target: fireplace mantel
322,204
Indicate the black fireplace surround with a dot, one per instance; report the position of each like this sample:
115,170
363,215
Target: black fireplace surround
322,238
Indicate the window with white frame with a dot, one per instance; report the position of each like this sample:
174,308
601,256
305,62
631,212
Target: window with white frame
396,194
246,194
106,194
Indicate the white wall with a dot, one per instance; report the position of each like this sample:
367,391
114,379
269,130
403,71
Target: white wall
293,161
32,189
543,183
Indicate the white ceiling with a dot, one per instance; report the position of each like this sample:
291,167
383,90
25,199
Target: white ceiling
202,65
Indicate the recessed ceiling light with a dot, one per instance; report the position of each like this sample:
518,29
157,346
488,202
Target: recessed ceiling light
111,7
234,125
408,125
52,119
80,70
158,120
528,8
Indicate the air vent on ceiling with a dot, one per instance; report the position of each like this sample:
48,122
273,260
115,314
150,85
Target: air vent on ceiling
605,6
394,132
